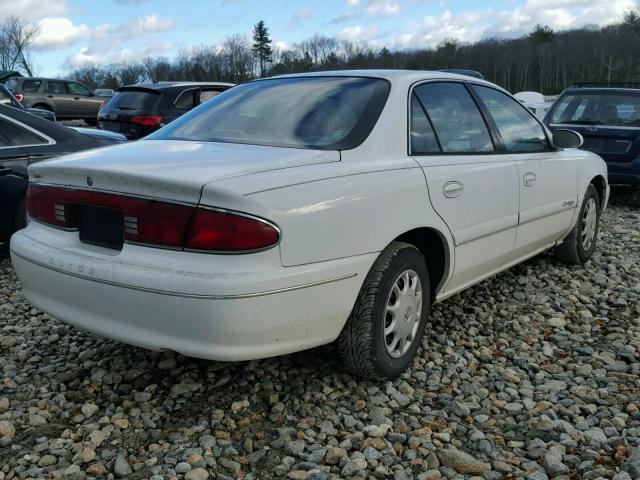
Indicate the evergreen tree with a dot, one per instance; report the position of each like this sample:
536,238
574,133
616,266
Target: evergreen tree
261,46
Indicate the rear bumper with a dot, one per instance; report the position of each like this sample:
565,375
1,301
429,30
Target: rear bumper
229,316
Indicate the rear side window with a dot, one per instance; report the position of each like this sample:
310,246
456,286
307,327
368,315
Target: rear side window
206,95
11,83
423,139
185,100
18,136
55,87
77,89
520,132
31,85
133,100
612,109
458,124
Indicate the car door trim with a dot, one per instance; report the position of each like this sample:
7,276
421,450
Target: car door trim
485,229
186,295
547,210
50,141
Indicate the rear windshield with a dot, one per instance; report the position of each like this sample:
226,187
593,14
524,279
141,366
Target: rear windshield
612,109
329,113
133,100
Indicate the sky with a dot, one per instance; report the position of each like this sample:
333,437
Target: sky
75,32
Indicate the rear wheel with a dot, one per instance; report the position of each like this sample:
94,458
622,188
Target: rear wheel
384,330
578,247
41,106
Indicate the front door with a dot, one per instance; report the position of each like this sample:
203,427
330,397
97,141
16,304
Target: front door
64,104
472,186
548,178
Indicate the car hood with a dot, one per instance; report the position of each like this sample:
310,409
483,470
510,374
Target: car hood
169,169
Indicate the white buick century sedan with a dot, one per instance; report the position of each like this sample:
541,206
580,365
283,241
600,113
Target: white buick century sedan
295,211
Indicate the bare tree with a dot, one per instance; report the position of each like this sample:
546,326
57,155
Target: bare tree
16,38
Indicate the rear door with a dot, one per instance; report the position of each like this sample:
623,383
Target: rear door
472,185
87,103
64,104
548,178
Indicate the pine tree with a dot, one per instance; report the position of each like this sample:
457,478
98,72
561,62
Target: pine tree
261,46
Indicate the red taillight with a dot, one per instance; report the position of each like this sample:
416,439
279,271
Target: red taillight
224,231
19,97
147,120
155,223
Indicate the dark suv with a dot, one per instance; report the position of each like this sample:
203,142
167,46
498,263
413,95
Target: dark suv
137,110
609,120
67,99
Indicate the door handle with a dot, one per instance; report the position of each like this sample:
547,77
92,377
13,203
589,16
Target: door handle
452,189
49,96
529,179
76,98
5,171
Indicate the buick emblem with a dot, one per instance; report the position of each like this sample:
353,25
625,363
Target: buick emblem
89,181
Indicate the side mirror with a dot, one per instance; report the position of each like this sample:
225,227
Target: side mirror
565,138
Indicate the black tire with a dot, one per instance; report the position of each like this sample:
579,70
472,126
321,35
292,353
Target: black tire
362,343
20,217
573,250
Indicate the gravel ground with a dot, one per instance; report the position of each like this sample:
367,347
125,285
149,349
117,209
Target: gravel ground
534,374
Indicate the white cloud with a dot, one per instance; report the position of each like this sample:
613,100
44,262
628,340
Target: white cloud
59,32
352,3
383,7
89,55
303,13
33,10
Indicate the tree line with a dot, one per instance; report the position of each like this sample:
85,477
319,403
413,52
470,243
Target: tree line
543,60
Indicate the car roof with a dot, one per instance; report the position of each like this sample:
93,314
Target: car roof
169,84
602,90
406,77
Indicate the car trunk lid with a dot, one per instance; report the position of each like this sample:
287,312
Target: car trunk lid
171,170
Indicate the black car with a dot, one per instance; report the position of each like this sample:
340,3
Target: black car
26,139
140,109
7,98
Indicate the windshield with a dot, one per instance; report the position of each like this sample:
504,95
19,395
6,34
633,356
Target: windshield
612,109
329,113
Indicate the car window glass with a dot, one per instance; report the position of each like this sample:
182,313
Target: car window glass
330,113
11,83
520,132
19,136
31,85
5,99
612,109
55,87
77,89
185,100
206,95
456,119
423,140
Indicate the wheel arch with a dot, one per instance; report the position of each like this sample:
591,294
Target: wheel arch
436,251
601,187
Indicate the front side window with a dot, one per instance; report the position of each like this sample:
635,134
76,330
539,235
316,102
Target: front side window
18,136
77,89
206,95
328,113
458,124
520,132
55,87
612,109
31,85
